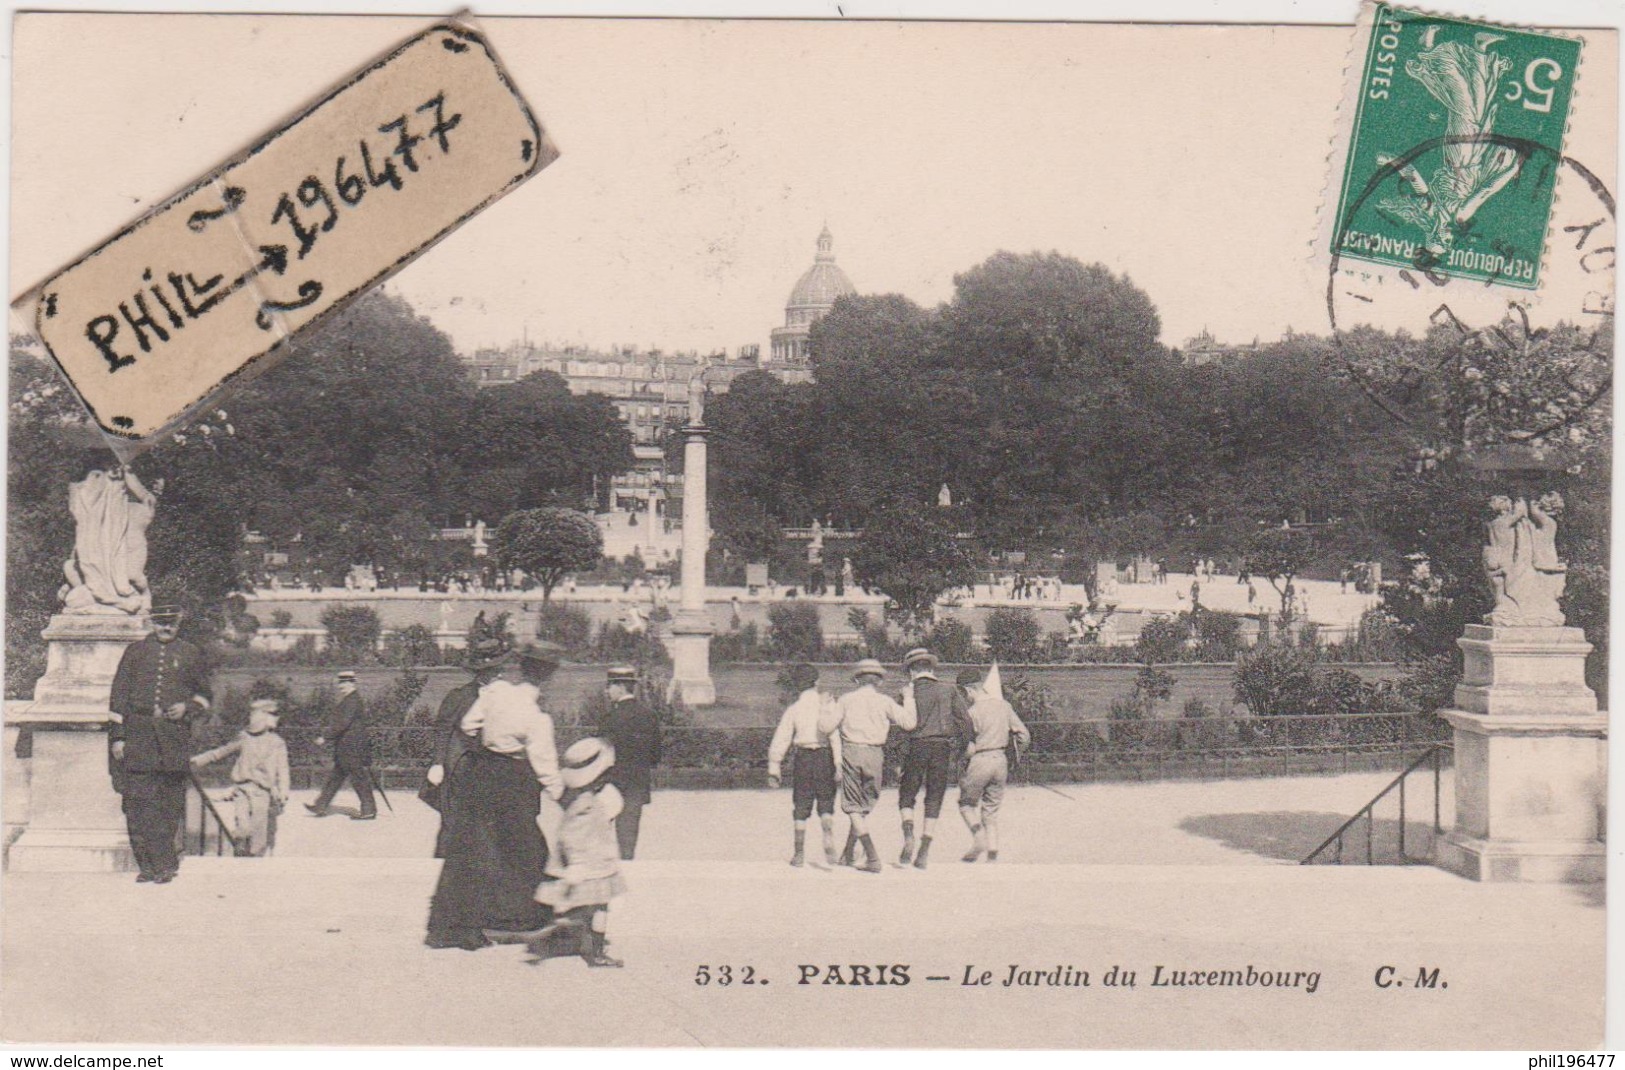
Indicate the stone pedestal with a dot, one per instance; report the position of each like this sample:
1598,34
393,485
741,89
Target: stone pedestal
75,822
691,660
1531,759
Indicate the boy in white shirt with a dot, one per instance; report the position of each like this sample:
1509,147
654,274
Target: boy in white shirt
807,726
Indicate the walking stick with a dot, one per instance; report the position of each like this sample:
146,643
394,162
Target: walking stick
382,794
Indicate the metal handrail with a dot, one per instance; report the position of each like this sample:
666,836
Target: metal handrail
204,813
1433,755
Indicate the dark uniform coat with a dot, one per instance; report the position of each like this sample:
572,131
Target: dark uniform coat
154,675
352,743
631,727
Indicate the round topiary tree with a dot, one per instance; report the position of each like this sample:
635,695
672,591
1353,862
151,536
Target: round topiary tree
548,543
910,554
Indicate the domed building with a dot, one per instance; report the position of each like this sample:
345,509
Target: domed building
814,294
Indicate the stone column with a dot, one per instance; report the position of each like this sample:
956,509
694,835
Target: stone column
691,628
1531,754
75,821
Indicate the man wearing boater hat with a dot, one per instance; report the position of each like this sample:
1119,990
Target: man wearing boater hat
932,749
863,717
161,684
352,753
631,728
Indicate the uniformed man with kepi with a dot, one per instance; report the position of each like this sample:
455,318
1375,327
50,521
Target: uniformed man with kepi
352,753
630,726
162,683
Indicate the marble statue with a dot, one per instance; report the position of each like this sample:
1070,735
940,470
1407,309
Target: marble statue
1520,561
107,573
696,399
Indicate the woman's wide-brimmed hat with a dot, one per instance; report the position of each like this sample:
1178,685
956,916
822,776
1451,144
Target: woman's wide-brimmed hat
586,760
868,667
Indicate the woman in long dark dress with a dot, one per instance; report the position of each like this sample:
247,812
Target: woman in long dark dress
495,854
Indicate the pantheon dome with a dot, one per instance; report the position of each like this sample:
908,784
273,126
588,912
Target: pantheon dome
813,295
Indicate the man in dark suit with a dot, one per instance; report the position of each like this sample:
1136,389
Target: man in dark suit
631,727
352,753
161,684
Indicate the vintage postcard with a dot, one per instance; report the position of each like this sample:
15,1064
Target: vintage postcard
673,533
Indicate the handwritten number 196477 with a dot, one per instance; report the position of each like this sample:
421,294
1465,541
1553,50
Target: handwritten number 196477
312,194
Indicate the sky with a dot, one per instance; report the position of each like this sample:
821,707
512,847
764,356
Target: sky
700,159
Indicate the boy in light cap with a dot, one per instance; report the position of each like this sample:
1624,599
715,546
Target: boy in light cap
259,778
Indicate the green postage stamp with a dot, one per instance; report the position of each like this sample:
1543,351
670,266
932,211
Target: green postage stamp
1451,164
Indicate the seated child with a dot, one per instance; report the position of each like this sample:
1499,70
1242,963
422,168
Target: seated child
259,778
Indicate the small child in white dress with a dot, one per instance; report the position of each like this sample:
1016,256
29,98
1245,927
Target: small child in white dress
591,859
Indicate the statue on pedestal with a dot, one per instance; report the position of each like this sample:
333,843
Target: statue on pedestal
1520,561
696,399
107,572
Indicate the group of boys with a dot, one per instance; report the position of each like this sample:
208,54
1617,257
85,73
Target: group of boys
840,742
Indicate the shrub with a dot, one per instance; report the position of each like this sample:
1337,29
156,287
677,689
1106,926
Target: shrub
412,645
952,640
567,625
1012,635
616,645
1338,691
1195,710
1162,639
1127,707
742,645
1032,701
1378,639
794,632
352,632
1276,679
281,618
1153,685
1218,635
1430,684
305,652
877,640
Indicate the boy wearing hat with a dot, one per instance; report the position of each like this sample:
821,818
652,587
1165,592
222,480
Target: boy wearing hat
259,778
994,722
352,753
631,729
162,682
863,717
809,727
943,723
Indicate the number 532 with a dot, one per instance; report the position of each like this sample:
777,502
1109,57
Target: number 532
726,975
